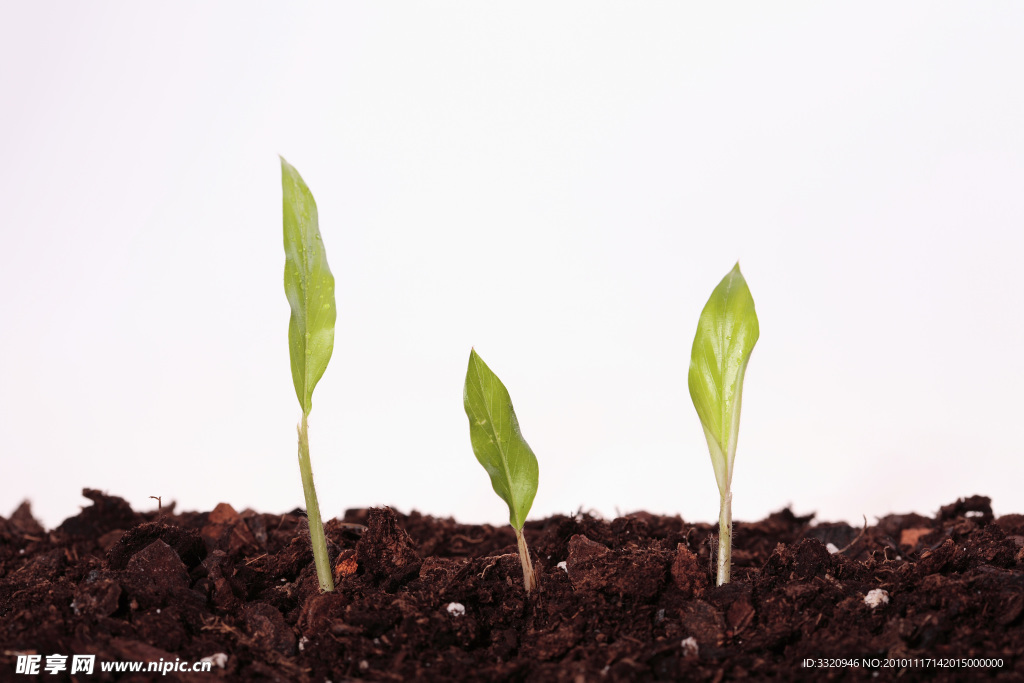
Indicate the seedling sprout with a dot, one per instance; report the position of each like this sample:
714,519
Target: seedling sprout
501,449
309,286
726,334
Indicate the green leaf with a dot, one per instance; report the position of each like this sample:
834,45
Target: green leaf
309,285
497,442
726,335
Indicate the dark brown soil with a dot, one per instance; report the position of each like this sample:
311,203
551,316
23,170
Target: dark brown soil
634,602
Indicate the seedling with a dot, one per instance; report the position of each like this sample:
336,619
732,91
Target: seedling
309,285
501,449
726,334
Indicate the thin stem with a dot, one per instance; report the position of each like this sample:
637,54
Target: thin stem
529,577
316,527
725,539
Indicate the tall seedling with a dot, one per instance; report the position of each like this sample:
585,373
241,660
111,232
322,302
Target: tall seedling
309,285
726,335
501,449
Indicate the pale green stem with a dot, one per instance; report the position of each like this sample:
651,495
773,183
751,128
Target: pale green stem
316,527
529,577
725,539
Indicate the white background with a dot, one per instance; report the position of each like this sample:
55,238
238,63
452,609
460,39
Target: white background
560,185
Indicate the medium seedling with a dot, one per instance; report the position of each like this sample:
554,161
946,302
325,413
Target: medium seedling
501,449
309,285
726,334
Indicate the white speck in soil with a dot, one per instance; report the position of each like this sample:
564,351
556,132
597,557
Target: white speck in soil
831,548
876,597
690,647
219,660
456,609
564,567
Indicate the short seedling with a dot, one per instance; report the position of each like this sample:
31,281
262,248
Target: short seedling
309,285
726,335
501,449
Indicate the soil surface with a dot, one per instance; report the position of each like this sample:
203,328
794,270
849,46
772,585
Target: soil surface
420,598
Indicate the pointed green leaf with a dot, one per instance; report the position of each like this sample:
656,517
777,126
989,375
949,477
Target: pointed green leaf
726,335
497,442
309,285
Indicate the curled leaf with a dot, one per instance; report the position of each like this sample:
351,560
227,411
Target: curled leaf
309,286
726,334
497,441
